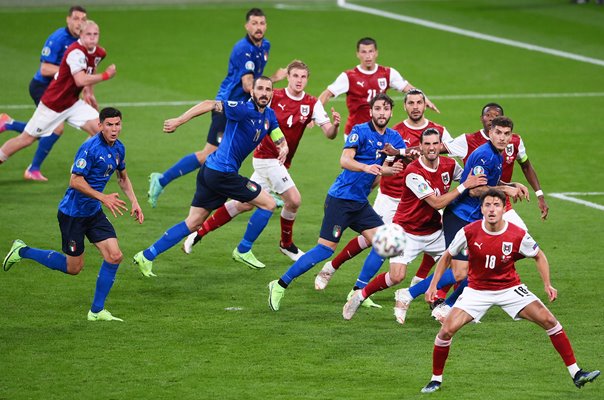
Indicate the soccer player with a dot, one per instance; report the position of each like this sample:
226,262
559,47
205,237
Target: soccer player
464,145
218,179
80,213
50,60
294,109
390,190
364,82
493,246
425,190
346,204
61,101
246,63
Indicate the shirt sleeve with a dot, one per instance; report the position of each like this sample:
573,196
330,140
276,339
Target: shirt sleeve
235,110
528,246
354,140
457,172
76,60
122,162
418,185
457,147
446,136
51,52
340,85
397,82
243,62
522,156
83,162
319,115
459,243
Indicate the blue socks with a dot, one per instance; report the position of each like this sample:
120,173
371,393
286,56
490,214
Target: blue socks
104,283
315,255
16,126
372,265
170,238
185,165
255,226
453,297
421,287
49,258
44,146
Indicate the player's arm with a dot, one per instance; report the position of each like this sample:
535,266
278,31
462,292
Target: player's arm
279,75
89,97
325,96
439,270
82,79
429,103
531,176
111,201
48,69
348,162
204,107
247,82
543,268
126,185
279,140
515,190
439,202
330,130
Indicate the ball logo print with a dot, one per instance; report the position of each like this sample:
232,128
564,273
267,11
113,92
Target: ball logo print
389,240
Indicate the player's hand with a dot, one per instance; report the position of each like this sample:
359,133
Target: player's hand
137,213
431,106
279,75
283,150
88,97
552,293
430,295
396,168
111,71
473,181
336,117
113,202
412,153
524,192
543,207
390,150
171,124
373,169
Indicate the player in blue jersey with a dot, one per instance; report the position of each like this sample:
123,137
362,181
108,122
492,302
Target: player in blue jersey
80,213
346,204
246,63
486,159
50,59
248,122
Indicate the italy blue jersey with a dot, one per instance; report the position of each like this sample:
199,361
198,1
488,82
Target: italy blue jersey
351,185
96,161
245,129
53,51
246,58
486,159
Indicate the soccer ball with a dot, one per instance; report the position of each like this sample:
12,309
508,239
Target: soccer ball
389,240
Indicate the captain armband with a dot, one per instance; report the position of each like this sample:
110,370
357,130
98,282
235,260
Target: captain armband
277,136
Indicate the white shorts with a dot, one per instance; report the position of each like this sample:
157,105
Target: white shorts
511,300
271,175
45,121
385,207
513,217
433,244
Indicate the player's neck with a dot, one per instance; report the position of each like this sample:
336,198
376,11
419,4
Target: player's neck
494,227
256,43
433,165
416,124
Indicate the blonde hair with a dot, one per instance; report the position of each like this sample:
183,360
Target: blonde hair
297,64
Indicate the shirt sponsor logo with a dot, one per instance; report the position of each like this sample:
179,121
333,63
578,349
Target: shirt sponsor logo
80,163
382,83
361,83
250,66
477,170
506,248
304,110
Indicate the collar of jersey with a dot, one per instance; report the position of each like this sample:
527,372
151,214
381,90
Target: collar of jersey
294,97
416,128
428,168
247,37
484,228
362,71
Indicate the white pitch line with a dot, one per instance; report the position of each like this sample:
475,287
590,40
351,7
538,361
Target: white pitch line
568,197
464,32
452,97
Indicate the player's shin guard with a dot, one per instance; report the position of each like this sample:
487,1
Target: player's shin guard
255,226
170,238
45,144
49,258
439,355
372,265
104,282
352,248
220,217
188,163
315,255
287,227
380,282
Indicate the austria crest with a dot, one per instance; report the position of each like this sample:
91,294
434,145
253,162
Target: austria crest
509,149
446,178
382,83
305,110
506,248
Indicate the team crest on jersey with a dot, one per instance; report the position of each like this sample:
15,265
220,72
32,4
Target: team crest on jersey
250,66
251,186
304,110
97,60
477,170
506,248
446,178
337,231
265,56
382,83
80,163
266,124
353,138
46,51
509,149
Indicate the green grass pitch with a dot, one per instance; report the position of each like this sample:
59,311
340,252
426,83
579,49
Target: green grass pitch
179,340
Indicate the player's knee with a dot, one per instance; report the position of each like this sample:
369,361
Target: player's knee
397,277
114,257
446,333
244,207
74,268
548,321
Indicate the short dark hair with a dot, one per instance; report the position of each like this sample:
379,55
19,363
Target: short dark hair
492,192
73,9
429,132
381,96
503,122
254,12
366,41
109,112
412,92
262,78
490,105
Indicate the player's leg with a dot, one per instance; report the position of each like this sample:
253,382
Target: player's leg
15,144
45,144
424,269
283,184
352,248
112,257
538,313
9,124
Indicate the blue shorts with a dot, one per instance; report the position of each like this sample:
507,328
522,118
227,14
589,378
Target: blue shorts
217,128
215,187
451,225
340,214
73,229
37,89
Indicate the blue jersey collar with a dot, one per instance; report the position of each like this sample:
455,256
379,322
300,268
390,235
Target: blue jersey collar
247,37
